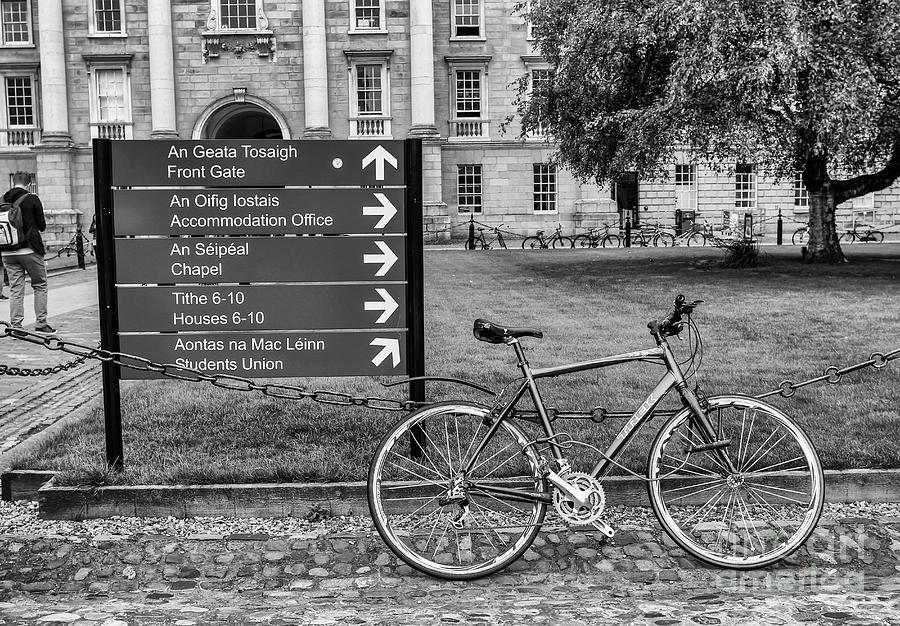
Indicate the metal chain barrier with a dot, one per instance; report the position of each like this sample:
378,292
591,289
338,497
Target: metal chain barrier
786,389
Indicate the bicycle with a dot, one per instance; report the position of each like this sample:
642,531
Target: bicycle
644,236
458,491
72,247
555,240
479,239
594,238
863,236
800,236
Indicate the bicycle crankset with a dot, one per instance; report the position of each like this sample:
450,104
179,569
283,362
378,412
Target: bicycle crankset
572,512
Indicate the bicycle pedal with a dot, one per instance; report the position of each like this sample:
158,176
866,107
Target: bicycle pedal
715,445
604,528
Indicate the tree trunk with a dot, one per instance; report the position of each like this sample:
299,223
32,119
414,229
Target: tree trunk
823,244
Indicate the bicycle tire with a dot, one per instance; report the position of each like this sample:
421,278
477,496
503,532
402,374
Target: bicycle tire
611,241
697,239
847,237
664,240
800,237
402,484
564,242
531,242
584,241
781,528
877,236
468,246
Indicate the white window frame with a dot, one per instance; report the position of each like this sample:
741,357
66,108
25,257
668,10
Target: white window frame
463,175
355,29
30,28
20,137
367,126
469,128
535,64
93,31
801,195
686,189
453,26
122,65
529,29
745,188
538,169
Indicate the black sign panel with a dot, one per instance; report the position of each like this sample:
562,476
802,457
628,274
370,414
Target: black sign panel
255,163
258,211
261,307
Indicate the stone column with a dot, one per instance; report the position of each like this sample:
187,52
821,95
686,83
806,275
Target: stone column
162,70
315,70
421,53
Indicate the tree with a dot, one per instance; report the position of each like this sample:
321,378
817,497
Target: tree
809,86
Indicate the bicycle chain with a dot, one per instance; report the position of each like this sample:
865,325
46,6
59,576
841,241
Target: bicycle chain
786,389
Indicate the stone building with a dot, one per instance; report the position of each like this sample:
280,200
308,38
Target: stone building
441,70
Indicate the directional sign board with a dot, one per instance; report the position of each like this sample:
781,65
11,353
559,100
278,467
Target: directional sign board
265,259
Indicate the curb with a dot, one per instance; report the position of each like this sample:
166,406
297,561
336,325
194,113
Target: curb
346,498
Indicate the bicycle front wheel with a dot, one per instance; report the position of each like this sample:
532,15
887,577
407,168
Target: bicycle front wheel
562,242
531,243
876,236
611,241
800,237
846,238
745,519
665,240
444,523
584,241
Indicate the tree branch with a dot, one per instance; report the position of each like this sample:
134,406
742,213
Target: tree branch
866,183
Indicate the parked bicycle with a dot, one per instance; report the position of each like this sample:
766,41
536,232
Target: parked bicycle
556,240
457,489
72,247
708,235
479,241
800,236
595,237
647,235
863,234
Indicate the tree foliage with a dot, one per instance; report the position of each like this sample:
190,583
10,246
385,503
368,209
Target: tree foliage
809,86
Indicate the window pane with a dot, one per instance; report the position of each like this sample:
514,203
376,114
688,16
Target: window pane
468,93
368,89
686,186
238,13
544,187
468,179
468,18
368,14
744,186
108,16
801,196
110,95
19,101
15,21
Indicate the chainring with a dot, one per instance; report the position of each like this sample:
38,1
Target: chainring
569,511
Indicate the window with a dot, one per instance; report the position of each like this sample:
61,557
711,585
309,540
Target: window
107,18
369,93
468,185
745,187
469,120
540,78
15,16
686,187
467,19
468,93
367,16
544,188
110,86
801,195
18,119
237,14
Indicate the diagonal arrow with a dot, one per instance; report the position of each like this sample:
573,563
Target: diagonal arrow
379,156
389,347
387,305
387,210
387,258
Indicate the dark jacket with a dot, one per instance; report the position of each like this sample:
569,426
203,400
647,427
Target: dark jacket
33,223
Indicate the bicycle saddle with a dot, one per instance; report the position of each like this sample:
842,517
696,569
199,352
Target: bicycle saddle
494,333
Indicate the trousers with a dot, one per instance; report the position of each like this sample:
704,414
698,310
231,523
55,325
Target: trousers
17,266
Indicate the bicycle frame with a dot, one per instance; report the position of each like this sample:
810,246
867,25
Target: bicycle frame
673,378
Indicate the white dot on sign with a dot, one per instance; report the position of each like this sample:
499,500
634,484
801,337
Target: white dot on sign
337,164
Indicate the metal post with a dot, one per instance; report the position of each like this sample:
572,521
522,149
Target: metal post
415,284
79,247
678,221
778,229
472,231
628,231
109,315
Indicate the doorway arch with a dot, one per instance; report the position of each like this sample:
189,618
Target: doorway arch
251,118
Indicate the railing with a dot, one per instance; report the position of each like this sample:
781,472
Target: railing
468,130
112,130
16,138
370,126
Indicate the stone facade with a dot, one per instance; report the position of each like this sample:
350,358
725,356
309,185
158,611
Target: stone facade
271,69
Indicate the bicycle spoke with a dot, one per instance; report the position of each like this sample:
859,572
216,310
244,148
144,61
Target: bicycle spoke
708,507
724,517
792,469
498,452
513,456
749,434
777,495
761,456
688,495
698,485
437,449
449,456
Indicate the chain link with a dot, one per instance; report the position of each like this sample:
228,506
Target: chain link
786,389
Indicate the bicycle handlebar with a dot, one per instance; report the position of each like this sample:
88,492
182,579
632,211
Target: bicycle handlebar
672,324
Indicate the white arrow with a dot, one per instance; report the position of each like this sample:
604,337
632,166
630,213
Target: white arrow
389,347
387,210
379,155
388,305
387,259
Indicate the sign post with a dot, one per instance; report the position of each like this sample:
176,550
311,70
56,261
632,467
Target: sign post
260,259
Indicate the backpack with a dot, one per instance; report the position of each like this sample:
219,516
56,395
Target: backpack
12,235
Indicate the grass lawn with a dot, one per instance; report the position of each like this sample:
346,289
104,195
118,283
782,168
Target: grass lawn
781,320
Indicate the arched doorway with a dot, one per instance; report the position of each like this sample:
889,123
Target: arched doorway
246,119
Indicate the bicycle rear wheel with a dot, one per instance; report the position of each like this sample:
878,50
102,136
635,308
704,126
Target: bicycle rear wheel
847,237
584,241
444,524
611,241
800,237
697,239
562,242
665,240
876,236
531,242
747,519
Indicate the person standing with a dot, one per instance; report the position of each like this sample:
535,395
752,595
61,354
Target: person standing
28,259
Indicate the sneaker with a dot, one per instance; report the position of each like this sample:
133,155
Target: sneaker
46,328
